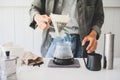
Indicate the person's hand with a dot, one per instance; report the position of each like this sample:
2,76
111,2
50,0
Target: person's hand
91,38
42,21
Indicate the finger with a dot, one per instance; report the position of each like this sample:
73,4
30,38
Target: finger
42,26
84,41
49,19
46,18
93,47
47,27
91,43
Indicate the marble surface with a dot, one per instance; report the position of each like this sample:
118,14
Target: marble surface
45,73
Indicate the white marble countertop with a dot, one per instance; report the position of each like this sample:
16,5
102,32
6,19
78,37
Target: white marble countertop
44,73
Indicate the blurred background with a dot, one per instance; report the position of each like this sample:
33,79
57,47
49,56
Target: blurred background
14,25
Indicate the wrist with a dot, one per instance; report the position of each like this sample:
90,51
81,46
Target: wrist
93,33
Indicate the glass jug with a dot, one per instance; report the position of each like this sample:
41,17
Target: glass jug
63,51
63,54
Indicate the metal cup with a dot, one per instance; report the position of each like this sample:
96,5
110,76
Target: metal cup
93,62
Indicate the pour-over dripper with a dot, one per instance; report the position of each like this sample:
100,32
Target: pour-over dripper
59,22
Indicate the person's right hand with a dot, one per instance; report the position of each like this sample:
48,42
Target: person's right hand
42,21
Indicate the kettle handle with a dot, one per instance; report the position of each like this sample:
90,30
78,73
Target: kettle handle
85,51
85,62
84,59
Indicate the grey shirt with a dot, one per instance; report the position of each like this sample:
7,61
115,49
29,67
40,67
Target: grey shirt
70,8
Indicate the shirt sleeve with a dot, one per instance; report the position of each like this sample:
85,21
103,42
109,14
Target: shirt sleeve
98,18
37,7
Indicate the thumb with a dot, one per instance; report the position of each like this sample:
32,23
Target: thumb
84,41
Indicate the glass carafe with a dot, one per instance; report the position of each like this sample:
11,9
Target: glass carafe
63,51
63,54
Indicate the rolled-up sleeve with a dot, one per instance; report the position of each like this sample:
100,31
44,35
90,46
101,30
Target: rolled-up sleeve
37,7
98,18
32,14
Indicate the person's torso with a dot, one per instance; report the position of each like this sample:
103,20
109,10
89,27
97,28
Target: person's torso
85,9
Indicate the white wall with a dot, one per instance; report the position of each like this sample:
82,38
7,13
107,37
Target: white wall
14,24
111,24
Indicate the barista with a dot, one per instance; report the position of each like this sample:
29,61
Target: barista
86,19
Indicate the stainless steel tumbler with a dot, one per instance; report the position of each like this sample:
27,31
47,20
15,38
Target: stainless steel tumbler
108,50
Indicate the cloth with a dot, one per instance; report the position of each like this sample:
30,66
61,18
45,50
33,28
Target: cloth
90,16
31,59
76,46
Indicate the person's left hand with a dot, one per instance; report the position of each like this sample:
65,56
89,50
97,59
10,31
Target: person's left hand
91,38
